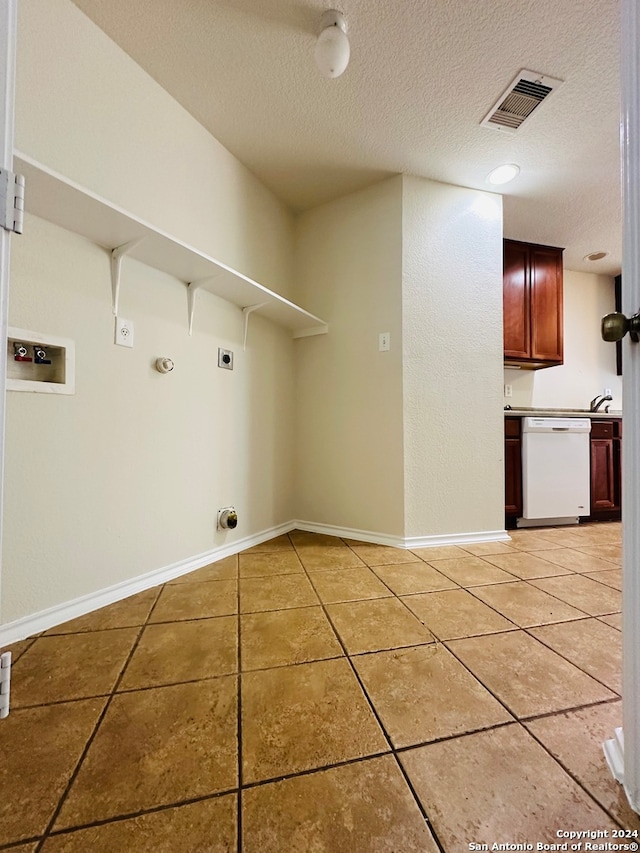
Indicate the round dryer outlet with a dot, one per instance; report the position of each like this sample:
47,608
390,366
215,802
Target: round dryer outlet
227,518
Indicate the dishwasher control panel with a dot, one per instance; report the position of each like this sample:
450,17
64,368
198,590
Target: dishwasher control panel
556,425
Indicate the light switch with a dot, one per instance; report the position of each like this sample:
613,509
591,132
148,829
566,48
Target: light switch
384,341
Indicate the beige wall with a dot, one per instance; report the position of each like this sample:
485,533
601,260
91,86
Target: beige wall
126,476
589,362
349,459
86,110
452,358
406,443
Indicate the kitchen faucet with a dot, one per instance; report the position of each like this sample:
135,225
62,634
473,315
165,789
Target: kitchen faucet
594,406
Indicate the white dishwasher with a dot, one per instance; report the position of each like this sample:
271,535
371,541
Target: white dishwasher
555,470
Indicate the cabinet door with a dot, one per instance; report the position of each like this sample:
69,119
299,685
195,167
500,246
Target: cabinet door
603,492
516,300
546,304
513,476
617,472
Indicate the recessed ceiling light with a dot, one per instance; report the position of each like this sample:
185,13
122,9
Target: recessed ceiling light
503,174
595,256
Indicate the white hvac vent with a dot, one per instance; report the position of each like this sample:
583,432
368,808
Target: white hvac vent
524,95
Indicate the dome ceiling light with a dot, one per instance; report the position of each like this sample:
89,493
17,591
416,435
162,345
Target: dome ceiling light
332,48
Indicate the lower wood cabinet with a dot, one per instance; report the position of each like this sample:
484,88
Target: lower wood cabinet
606,469
512,470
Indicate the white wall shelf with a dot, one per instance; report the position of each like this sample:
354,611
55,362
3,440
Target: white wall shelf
53,197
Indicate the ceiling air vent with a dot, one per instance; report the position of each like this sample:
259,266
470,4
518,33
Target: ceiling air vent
525,94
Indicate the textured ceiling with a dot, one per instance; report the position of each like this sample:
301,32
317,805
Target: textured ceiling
421,78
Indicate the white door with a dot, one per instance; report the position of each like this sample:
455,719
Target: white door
623,754
8,21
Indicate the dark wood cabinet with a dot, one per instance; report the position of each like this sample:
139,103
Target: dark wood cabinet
515,301
606,470
532,304
512,470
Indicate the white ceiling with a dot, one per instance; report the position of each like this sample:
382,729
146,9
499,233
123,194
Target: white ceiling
422,76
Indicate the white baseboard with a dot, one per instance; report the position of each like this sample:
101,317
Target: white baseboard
26,626
614,753
457,538
350,533
403,541
52,616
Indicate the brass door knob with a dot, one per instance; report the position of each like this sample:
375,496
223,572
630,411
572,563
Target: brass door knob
615,327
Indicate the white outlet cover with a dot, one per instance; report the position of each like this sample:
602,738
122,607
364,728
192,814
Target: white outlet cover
123,336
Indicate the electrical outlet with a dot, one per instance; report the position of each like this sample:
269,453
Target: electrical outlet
123,332
607,392
508,390
384,341
225,358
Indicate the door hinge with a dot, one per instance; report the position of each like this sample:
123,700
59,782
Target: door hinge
11,201
5,684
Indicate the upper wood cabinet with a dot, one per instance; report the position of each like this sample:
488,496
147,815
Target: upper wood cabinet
532,299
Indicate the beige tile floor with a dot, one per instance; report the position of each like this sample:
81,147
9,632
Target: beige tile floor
319,694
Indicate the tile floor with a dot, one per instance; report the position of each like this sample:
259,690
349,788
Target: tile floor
319,694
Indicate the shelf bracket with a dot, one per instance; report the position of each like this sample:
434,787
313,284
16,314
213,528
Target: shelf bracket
117,255
192,289
246,313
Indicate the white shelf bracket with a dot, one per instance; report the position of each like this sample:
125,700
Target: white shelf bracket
192,289
247,313
117,255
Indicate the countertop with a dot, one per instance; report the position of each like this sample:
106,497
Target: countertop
562,413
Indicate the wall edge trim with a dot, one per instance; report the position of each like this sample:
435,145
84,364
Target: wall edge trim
26,626
403,541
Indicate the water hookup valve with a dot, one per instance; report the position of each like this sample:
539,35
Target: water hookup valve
20,352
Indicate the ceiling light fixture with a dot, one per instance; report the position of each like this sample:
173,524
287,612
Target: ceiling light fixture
503,174
595,256
332,48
